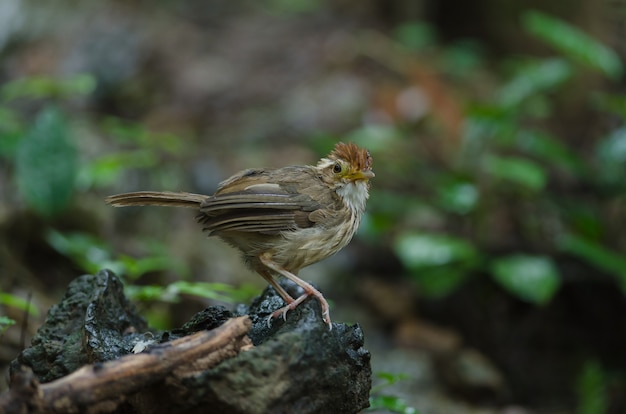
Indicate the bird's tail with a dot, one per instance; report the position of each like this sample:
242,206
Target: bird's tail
156,198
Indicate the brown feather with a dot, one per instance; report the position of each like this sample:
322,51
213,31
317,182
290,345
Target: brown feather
358,157
156,198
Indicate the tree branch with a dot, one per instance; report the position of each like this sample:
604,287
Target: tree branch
105,386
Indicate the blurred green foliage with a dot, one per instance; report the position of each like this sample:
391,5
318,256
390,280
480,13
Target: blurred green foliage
5,323
511,199
173,292
390,403
592,388
50,165
292,7
50,162
599,256
511,167
532,278
437,262
416,36
92,254
573,43
39,87
518,199
509,157
46,164
11,300
40,146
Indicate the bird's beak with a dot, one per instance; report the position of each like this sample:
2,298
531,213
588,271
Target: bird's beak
362,175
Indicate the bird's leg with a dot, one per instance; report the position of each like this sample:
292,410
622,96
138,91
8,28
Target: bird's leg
309,290
282,292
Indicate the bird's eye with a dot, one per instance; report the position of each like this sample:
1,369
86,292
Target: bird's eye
337,168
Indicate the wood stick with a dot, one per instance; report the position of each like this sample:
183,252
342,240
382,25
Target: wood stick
104,386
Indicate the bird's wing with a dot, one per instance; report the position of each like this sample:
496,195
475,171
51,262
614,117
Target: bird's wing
256,201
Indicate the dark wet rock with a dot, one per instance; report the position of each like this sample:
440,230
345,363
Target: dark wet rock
94,322
297,365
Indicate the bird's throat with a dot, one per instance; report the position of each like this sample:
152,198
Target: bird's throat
355,195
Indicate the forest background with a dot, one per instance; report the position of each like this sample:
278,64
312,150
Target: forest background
495,236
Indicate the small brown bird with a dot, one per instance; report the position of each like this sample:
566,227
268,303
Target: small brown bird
281,219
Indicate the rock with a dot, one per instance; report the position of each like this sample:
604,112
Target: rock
297,365
94,322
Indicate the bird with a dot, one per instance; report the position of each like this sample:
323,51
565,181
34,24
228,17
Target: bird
282,219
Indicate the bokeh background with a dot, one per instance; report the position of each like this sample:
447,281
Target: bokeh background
489,274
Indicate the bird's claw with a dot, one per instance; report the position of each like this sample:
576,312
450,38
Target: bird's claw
326,319
291,306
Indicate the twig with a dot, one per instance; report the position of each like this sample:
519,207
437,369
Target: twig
105,386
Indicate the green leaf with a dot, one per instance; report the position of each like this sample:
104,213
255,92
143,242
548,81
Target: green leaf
46,164
551,150
17,302
462,58
611,158
147,293
5,323
533,78
458,196
86,251
573,43
214,290
134,268
486,125
592,390
439,263
91,254
582,217
390,378
422,250
416,36
532,278
517,170
596,255
137,134
391,403
614,103
388,402
172,292
438,282
11,132
108,168
38,87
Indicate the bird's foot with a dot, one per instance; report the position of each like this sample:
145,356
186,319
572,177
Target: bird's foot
294,304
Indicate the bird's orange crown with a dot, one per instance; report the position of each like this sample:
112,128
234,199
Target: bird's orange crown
355,156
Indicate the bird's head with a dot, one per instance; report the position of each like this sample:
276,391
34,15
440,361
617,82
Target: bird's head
348,169
348,163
